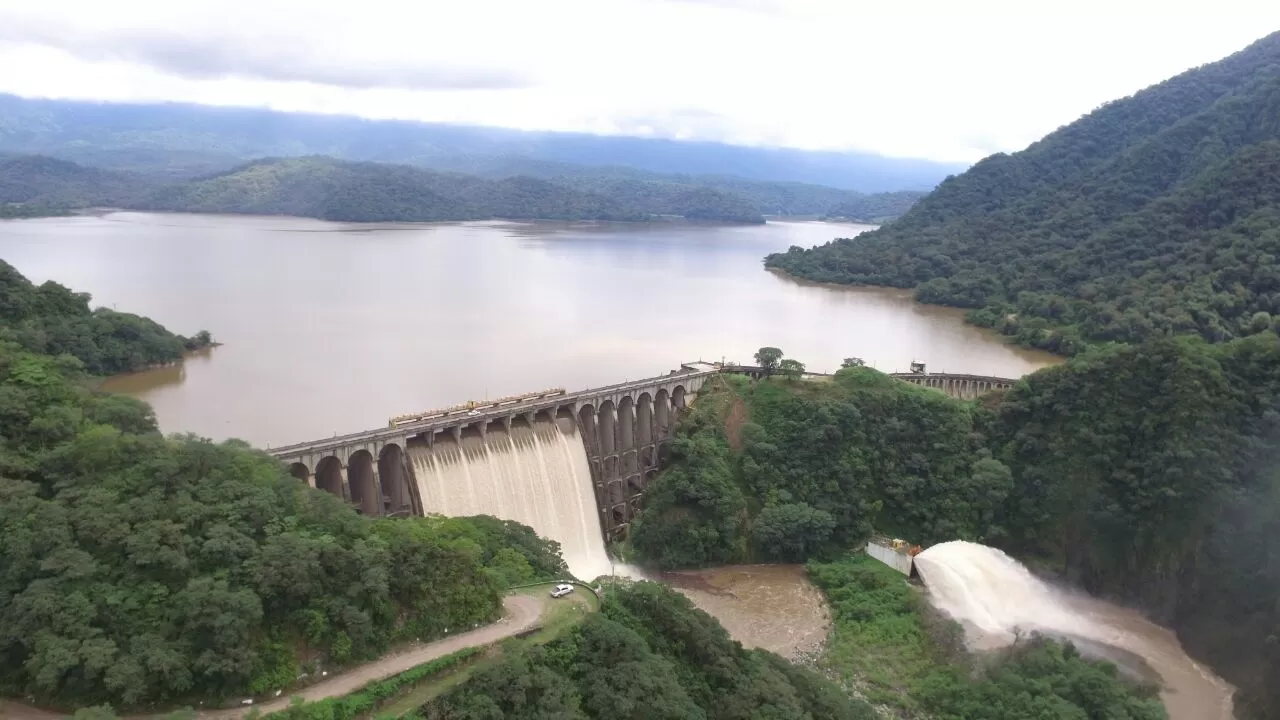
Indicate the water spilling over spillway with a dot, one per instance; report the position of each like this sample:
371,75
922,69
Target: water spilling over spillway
537,475
992,595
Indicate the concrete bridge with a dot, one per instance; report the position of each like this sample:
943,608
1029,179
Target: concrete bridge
622,427
964,387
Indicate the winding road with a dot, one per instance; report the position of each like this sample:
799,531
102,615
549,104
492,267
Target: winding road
522,613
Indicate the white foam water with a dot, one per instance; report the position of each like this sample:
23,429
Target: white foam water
535,475
994,597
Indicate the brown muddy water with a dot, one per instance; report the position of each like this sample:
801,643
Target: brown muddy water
329,328
773,607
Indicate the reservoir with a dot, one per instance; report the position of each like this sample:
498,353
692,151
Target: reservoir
329,328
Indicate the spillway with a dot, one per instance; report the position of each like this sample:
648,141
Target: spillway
992,595
537,475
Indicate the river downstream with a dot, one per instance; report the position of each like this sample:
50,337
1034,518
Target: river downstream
332,328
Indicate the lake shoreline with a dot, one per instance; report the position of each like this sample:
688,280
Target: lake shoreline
908,294
331,328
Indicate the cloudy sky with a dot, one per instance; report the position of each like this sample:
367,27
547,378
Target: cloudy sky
941,79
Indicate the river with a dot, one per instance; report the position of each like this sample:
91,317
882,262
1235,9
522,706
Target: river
332,328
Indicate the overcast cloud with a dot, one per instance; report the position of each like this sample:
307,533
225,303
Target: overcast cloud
943,80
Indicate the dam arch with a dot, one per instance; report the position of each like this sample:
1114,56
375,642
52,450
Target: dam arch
662,412
302,472
394,479
644,420
607,431
587,426
626,424
363,484
330,476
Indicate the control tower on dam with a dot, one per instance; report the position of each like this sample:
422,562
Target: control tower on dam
537,458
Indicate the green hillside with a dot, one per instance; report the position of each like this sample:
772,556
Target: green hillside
330,189
766,198
33,185
1144,473
49,318
1156,214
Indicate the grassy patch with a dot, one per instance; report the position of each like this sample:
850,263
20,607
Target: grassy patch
891,647
879,642
367,699
436,685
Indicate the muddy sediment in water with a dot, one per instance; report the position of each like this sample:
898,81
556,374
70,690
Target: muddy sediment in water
773,607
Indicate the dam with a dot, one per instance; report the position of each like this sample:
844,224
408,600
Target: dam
574,466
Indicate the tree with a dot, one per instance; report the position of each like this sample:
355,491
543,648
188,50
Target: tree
851,362
217,567
790,533
768,358
791,369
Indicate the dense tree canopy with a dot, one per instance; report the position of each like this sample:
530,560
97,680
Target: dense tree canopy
1154,215
137,569
648,655
50,318
1144,472
330,189
816,466
766,198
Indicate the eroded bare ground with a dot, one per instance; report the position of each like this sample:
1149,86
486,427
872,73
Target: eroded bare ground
774,607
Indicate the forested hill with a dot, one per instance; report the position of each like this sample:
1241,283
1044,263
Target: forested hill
323,187
372,192
1156,214
766,197
138,570
1147,473
330,189
33,185
51,319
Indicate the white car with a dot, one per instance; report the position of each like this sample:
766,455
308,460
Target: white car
561,590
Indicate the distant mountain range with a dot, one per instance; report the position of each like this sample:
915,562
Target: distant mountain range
340,190
194,139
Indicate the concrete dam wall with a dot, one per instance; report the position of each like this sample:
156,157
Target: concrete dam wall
534,474
573,466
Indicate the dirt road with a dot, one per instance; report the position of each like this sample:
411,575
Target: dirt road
522,613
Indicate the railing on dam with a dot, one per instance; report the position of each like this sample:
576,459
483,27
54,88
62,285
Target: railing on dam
957,385
483,413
